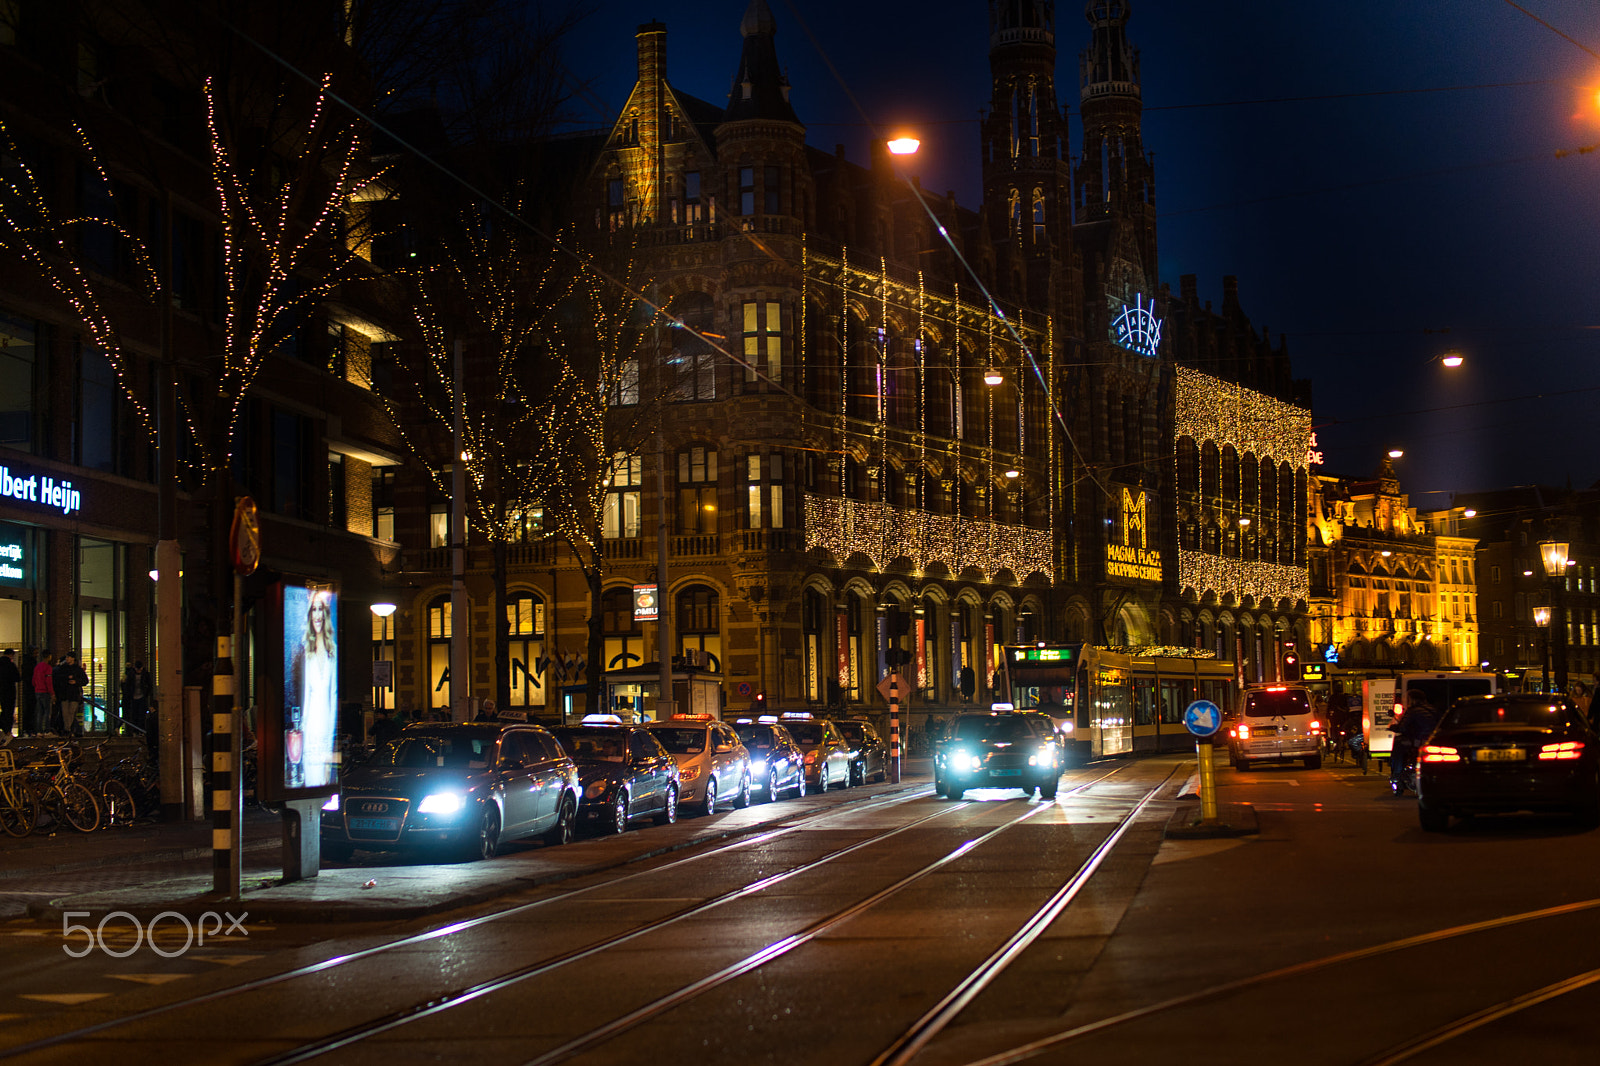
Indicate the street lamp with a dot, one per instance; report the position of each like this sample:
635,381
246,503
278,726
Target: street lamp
1452,359
1553,553
1541,618
383,611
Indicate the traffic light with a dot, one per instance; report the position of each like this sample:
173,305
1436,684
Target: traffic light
761,700
1291,663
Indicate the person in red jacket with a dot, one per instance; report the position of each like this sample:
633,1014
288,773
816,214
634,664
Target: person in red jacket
44,692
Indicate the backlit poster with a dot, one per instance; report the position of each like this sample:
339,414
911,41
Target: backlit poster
310,686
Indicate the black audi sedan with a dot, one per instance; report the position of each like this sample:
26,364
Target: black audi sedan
625,773
997,749
464,788
870,758
776,761
1501,754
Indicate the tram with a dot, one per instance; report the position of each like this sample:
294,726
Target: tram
1113,703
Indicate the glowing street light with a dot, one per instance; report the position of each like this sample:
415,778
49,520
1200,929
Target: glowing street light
992,377
904,145
1395,453
1452,358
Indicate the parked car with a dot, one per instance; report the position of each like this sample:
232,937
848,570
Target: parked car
827,752
776,762
1276,724
462,787
870,755
624,771
997,749
1505,753
712,761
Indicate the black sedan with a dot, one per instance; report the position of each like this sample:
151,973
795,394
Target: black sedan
1492,754
870,758
776,761
997,749
624,771
460,787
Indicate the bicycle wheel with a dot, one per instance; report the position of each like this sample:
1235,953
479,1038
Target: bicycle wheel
76,805
117,804
19,808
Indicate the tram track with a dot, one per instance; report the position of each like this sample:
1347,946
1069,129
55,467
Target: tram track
445,1001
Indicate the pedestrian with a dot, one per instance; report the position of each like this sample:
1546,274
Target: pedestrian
69,680
136,696
44,693
384,728
10,678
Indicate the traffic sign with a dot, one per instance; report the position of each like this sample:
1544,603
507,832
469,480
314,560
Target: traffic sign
1202,718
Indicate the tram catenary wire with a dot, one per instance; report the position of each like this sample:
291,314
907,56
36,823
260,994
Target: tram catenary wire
783,946
1024,1052
415,939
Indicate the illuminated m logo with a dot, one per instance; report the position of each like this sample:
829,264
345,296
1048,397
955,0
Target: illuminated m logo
1133,515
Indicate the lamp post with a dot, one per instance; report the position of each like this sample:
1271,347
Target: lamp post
382,679
1541,618
1553,553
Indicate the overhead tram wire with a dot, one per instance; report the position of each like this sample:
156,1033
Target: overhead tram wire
994,305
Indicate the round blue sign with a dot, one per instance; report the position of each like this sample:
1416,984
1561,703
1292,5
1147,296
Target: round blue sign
1202,718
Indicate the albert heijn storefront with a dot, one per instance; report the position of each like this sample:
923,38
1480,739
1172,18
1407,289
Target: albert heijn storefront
75,559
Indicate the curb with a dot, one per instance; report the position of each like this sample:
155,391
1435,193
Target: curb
135,858
1233,820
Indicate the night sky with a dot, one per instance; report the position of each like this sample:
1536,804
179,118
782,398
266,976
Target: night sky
1361,227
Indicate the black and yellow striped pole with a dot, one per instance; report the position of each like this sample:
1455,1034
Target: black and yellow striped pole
227,799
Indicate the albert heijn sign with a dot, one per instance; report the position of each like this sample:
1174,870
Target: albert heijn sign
44,491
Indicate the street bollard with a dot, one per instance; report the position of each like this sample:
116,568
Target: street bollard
1208,785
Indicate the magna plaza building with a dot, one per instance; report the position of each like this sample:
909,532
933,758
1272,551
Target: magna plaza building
872,451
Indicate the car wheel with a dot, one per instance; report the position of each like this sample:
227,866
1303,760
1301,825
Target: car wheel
619,813
337,852
954,791
669,813
710,806
486,841
772,785
1049,788
566,819
822,778
799,782
858,773
1433,821
938,783
742,799
1314,762
1242,765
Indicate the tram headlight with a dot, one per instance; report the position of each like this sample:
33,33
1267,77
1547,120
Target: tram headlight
1067,727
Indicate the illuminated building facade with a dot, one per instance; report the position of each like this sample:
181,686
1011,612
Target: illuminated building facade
861,453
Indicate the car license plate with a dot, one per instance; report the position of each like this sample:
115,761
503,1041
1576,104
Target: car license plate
1501,755
376,825
1005,773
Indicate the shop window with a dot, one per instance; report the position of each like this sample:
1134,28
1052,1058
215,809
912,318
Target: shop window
439,631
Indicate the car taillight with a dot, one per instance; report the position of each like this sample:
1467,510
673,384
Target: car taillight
1316,726
1567,749
1244,731
811,757
1440,753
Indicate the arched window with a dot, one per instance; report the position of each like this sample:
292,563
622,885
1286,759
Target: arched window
1248,473
439,630
525,627
624,637
1210,467
1038,205
1230,474
1188,466
814,619
698,610
1269,488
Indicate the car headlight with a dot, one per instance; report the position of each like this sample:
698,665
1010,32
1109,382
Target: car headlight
965,760
331,803
688,773
440,803
1066,727
1047,754
758,766
594,790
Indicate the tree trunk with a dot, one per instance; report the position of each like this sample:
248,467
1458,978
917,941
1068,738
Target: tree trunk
595,693
502,633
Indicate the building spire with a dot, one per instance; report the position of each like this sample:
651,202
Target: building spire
1115,176
760,87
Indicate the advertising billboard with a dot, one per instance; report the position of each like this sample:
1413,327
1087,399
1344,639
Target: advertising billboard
310,688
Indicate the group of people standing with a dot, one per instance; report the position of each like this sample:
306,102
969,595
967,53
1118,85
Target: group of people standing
49,691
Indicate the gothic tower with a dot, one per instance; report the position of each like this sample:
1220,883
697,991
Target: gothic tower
1115,177
1027,180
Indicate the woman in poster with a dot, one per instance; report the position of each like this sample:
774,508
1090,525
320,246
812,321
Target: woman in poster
314,682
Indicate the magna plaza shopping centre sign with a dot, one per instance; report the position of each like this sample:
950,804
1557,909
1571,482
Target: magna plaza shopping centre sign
1130,558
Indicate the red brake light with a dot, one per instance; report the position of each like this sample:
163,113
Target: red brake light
1316,726
1440,753
1244,731
1568,749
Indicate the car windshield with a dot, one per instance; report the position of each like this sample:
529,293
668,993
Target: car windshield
459,752
683,740
993,728
1277,704
592,745
806,734
1509,712
756,738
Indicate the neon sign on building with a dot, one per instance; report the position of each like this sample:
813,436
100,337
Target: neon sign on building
1137,328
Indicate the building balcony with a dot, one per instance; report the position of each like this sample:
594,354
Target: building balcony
846,528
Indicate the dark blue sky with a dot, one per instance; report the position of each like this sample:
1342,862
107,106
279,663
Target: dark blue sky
1355,225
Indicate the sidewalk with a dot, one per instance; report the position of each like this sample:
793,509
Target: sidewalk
374,887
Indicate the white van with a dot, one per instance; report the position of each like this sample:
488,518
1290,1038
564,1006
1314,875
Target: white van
1276,724
1379,697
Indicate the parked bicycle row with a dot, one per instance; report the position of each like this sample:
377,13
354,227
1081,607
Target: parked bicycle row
73,785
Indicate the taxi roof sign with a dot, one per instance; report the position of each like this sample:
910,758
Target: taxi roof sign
601,719
699,716
796,715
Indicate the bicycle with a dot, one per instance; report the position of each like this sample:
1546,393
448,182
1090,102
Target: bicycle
62,792
19,806
107,781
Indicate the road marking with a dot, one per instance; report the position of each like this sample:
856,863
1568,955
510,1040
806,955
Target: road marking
1178,850
228,960
66,999
149,978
